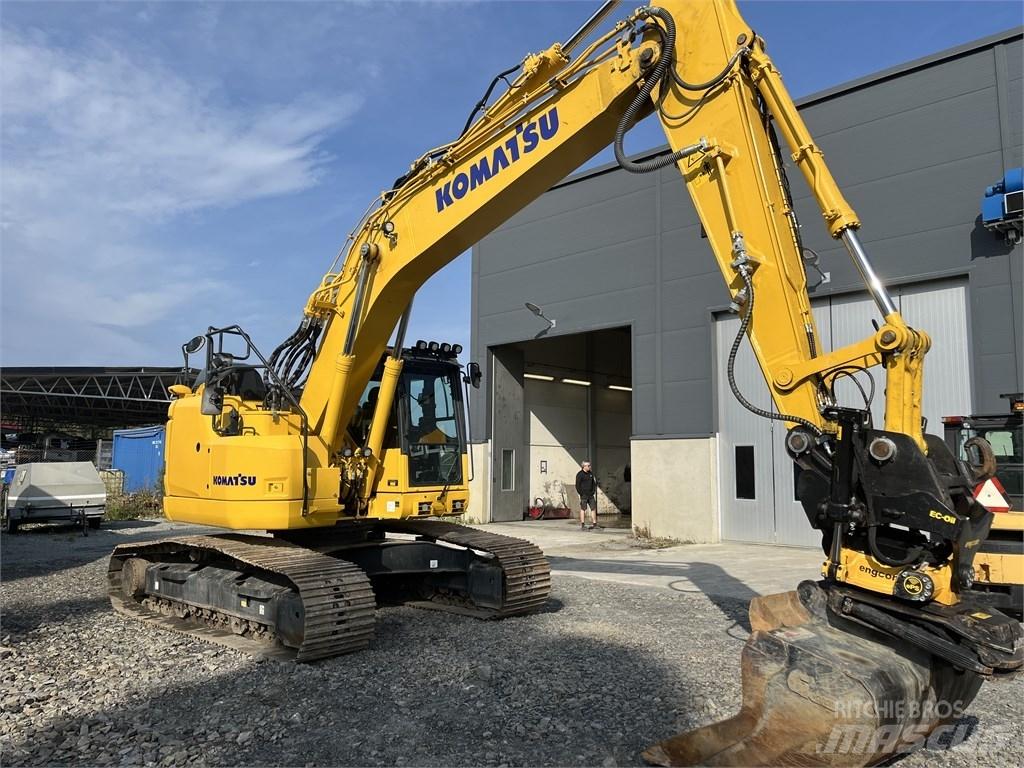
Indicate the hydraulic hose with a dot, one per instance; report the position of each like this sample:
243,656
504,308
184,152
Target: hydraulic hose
295,338
913,554
660,74
714,80
657,75
483,102
731,366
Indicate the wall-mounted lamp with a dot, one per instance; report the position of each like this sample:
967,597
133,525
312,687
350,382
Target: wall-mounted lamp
540,313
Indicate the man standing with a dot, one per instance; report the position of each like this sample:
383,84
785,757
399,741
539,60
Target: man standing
586,487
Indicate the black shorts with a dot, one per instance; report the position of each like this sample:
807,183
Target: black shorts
588,501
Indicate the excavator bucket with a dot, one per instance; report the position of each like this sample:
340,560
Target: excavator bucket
821,690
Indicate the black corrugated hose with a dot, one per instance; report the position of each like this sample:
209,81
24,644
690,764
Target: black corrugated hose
730,367
658,74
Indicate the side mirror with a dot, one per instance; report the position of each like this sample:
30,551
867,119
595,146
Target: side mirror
473,375
213,401
194,344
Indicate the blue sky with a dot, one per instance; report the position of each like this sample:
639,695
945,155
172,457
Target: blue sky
167,166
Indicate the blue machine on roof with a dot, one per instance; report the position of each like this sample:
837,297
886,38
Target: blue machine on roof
139,453
1002,207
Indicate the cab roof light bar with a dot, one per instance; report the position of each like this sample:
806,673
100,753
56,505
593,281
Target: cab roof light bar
436,349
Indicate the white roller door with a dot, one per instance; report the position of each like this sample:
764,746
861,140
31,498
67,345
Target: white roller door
756,477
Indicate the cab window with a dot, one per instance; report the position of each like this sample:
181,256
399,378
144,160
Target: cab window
432,429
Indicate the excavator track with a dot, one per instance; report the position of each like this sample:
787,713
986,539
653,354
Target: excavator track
336,595
337,598
527,574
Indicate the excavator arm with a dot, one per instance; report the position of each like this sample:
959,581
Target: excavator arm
893,617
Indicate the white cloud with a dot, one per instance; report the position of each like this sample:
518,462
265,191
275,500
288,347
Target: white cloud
100,148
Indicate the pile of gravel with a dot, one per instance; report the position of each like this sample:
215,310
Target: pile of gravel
605,671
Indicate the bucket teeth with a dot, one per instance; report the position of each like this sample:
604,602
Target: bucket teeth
821,690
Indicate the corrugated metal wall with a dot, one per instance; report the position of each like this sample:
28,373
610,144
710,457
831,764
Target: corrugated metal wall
139,453
757,499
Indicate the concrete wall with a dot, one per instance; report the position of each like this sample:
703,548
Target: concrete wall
674,489
480,485
558,436
612,428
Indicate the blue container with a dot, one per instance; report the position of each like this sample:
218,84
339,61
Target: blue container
139,453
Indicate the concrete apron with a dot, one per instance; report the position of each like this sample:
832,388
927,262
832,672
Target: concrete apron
738,571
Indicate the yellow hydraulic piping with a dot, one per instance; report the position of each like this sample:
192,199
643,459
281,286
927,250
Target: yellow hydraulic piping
332,422
838,213
727,207
381,417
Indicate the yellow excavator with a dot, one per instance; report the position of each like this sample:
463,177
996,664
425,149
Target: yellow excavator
345,450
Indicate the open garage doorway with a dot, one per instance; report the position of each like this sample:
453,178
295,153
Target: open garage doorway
557,401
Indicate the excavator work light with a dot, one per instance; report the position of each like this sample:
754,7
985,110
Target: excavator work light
421,345
456,349
433,346
446,348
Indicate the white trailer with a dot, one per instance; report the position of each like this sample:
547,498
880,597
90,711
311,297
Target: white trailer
69,491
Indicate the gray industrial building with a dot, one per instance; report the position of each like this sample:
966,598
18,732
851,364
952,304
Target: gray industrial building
641,322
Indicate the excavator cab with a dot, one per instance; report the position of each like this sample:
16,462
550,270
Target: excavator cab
424,450
999,564
423,463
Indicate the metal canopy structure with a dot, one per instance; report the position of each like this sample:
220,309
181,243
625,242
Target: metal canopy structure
35,397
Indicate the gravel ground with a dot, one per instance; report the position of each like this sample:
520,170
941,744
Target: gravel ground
606,670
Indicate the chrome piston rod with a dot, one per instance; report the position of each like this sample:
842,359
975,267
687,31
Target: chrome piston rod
363,277
874,283
403,327
589,25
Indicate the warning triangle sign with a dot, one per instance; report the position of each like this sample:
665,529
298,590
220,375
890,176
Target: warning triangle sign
990,495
